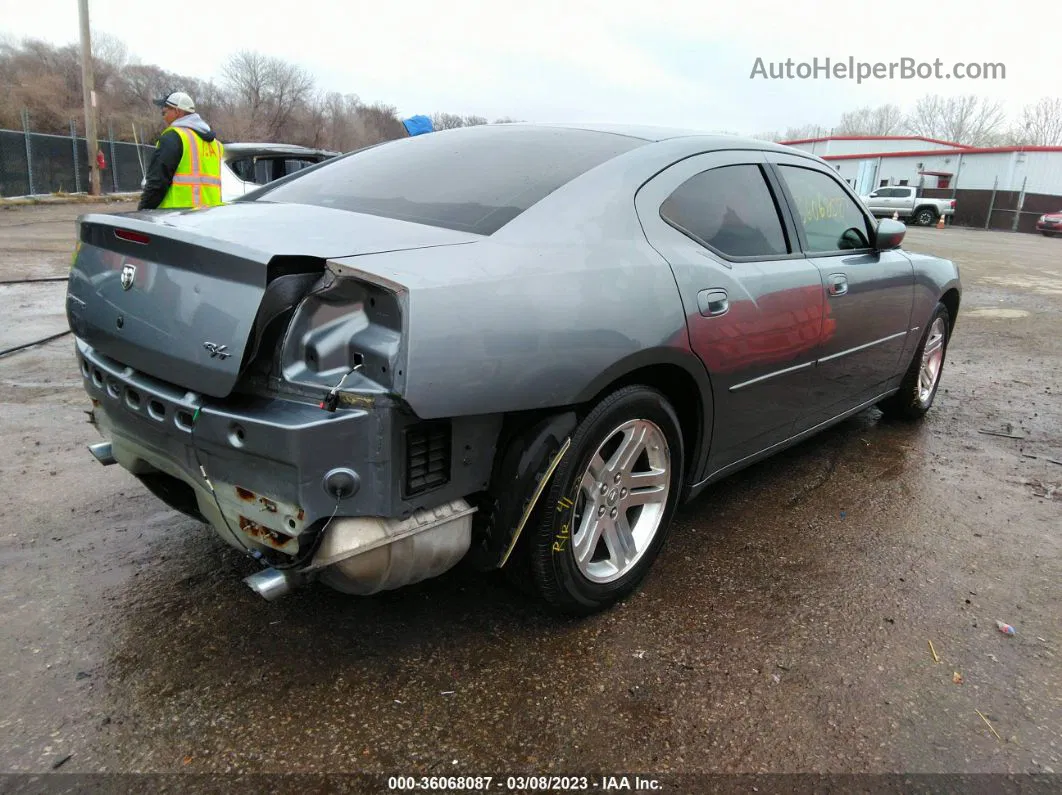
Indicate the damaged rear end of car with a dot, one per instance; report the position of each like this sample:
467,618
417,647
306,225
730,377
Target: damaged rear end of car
250,381
364,373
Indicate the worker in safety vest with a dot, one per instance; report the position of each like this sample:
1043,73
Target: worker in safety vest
185,169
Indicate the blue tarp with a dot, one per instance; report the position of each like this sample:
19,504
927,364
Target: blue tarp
416,125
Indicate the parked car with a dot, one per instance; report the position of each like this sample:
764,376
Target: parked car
520,346
908,202
1050,224
247,166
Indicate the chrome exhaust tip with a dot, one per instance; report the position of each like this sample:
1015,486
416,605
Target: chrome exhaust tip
272,584
103,454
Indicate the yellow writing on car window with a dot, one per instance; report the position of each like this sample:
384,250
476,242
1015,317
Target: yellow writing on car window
821,208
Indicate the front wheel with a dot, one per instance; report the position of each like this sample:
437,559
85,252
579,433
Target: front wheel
610,504
919,385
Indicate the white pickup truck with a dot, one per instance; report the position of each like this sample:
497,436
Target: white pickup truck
905,201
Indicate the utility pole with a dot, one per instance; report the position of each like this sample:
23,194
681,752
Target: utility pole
88,91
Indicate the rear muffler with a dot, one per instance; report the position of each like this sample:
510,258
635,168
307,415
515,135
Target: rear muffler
367,554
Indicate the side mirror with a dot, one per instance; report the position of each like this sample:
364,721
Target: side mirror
889,234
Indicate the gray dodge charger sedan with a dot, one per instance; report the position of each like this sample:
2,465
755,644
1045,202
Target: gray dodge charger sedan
520,346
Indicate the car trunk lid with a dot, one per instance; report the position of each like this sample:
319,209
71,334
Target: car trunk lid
178,295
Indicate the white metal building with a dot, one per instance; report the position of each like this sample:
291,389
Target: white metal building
1033,174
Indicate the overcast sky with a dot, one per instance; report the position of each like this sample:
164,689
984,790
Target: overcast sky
651,62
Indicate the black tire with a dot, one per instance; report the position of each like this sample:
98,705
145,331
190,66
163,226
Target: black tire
550,546
1048,234
925,216
908,403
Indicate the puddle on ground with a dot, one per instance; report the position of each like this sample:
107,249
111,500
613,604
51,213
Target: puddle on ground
994,312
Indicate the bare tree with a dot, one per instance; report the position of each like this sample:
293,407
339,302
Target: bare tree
290,87
46,81
805,131
970,120
375,123
245,76
883,120
447,121
1041,124
109,59
309,122
258,98
268,89
338,120
143,82
109,50
451,121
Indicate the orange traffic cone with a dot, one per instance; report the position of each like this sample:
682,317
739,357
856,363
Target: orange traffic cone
940,222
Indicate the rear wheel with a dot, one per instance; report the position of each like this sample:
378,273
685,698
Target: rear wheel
925,216
609,507
919,386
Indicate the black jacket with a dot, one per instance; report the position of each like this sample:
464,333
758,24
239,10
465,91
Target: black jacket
164,161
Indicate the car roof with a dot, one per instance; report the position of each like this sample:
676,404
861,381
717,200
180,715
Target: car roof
265,148
646,132
656,134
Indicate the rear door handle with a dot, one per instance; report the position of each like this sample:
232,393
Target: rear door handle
713,302
837,284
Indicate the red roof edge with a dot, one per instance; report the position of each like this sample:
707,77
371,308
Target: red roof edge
875,138
972,150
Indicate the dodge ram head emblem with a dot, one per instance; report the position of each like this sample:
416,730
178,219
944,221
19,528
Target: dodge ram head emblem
128,272
217,351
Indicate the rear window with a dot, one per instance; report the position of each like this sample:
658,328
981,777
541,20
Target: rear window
474,180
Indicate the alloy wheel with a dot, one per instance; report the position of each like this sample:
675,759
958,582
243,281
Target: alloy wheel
621,500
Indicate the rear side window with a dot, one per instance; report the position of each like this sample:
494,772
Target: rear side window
830,218
243,168
729,209
292,165
474,180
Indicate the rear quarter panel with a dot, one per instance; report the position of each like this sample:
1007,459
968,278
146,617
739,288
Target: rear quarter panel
548,307
526,328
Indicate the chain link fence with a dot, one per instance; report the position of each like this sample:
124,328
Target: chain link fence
33,164
1003,210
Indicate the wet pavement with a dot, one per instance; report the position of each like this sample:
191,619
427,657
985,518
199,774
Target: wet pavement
792,624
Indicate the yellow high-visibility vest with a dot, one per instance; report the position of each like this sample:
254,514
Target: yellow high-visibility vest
197,180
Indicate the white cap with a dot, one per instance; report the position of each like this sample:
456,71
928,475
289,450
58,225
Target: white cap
177,99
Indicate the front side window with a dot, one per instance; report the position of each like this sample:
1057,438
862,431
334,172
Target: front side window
831,220
729,209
